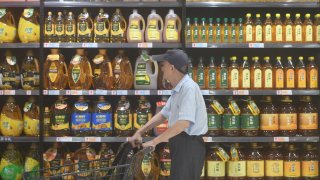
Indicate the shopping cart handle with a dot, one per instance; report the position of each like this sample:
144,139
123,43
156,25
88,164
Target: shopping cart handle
147,150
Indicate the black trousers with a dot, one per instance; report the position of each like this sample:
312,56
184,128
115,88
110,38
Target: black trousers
187,157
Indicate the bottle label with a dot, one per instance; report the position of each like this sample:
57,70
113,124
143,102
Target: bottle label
101,30
31,126
30,79
288,122
231,122
190,73
212,78
75,73
309,33
218,34
234,108
298,34
214,122
165,165
31,165
255,168
246,78
60,122
257,78
317,39
313,78
134,31
268,33
274,168
102,121
279,78
152,30
200,78
70,29
9,170
59,29
141,119
240,31
258,33
81,121
217,107
188,34
310,168
49,27
249,122
146,165
224,78
268,78
10,127
171,31
203,34
2,12
116,30
123,120
226,34
253,108
308,121
54,163
248,33
53,72
278,33
233,34
234,78
269,122
216,169
142,77
302,78
83,29
237,168
290,78
292,169
28,12
289,34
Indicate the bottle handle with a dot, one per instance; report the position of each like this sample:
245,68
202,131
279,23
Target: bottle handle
143,24
179,23
12,20
156,68
91,29
125,23
161,22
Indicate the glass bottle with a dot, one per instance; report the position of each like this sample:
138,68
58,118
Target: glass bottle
233,73
268,34
278,72
211,31
102,71
31,117
267,74
218,31
223,74
203,31
49,28
231,118
165,163
255,163
308,117
301,74
84,27
240,31
287,117
237,165
122,71
233,31
81,118
82,156
102,124
187,30
142,115
257,29
11,121
53,160
278,29
292,163
226,31
312,74
172,26
307,29
288,24
30,72
191,69
269,117
70,28
32,162
46,122
245,78
195,31
101,27
215,111
248,28
216,165
200,74
274,163
316,28
289,74
256,74
310,163
211,75
9,72
60,117
250,118
60,28
123,125
297,35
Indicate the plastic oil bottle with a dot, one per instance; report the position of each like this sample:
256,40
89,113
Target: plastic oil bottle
82,156
308,117
102,71
84,27
312,74
218,31
316,28
279,74
223,75
203,31
122,71
153,30
123,125
234,76
68,167
226,31
255,163
149,167
267,29
11,165
81,118
118,27
233,31
211,75
30,72
172,27
101,27
102,124
211,31
250,122
288,117
269,117
46,122
165,163
278,29
32,162
105,159
10,72
216,162
240,31
310,163
60,117
53,157
215,111
195,31
200,74
60,28
274,163
163,126
11,121
245,77
55,71
289,74
297,35
301,74
231,118
135,32
8,33
257,29
292,163
31,118
256,74
142,115
29,28
187,31
248,28
307,29
288,24
267,74
70,28
191,69
49,28
237,165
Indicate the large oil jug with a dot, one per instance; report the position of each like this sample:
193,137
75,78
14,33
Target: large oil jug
8,29
29,28
153,31
135,32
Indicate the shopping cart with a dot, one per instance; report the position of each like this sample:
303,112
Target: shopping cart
124,166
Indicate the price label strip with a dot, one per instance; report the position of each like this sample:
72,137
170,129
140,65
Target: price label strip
142,92
64,139
9,92
256,45
89,45
145,45
284,92
51,45
281,139
199,45
92,139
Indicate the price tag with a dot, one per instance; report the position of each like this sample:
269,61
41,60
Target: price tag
68,92
5,139
113,92
166,92
101,92
256,45
54,92
122,92
281,139
240,92
1,92
207,139
205,92
284,92
76,92
89,45
212,92
51,45
28,92
199,45
145,45
142,92
92,139
9,92
91,92
159,92
64,139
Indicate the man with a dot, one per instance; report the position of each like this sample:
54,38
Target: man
187,118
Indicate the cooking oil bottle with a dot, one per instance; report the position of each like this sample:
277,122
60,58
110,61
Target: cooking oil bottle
288,117
245,77
8,27
53,157
250,118
60,117
68,167
274,163
101,27
60,28
32,162
278,29
226,31
216,162
312,74
172,26
80,72
29,28
289,74
234,73
203,31
233,31
10,72
81,118
237,165
191,69
301,74
267,74
118,27
142,115
165,163
187,31
279,74
292,163
255,163
163,126
308,116
11,122
135,32
316,28
149,167
231,118
200,74
310,163
288,31
122,70
218,31
256,74
211,31
297,29
195,31
123,125
257,29
215,111
46,122
102,71
11,165
248,28
30,72
269,117
307,29
70,28
82,156
223,74
31,118
102,124
105,157
240,31
211,75
267,29
153,30
84,27
55,71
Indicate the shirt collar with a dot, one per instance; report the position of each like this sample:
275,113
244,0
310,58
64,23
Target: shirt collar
181,82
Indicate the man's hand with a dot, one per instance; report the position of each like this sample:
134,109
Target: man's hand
150,144
135,140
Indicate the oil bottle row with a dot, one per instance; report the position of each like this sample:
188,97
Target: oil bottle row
271,118
28,26
296,73
65,28
239,31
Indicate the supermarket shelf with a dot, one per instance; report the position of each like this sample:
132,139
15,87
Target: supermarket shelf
261,139
89,139
19,92
168,92
19,139
20,45
112,45
110,4
20,4
292,4
252,45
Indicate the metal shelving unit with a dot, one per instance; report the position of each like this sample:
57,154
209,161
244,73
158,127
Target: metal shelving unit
253,45
292,4
111,4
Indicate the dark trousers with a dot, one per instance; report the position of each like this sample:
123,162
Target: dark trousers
187,157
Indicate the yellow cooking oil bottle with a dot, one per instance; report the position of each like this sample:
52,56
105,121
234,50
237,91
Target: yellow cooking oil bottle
307,29
301,74
11,121
245,77
279,74
267,75
10,72
81,118
310,162
316,28
84,26
60,117
223,82
32,162
195,31
11,165
149,168
31,117
200,73
211,75
154,27
216,161
203,31
312,74
135,32
274,162
288,29
255,163
226,32
237,165
257,29
269,117
268,34
289,74
8,28
234,77
256,74
278,29
122,70
101,27
297,35
29,28
70,26
123,125
248,30
118,27
172,27
30,71
292,163
102,71
142,115
102,124
49,28
60,28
